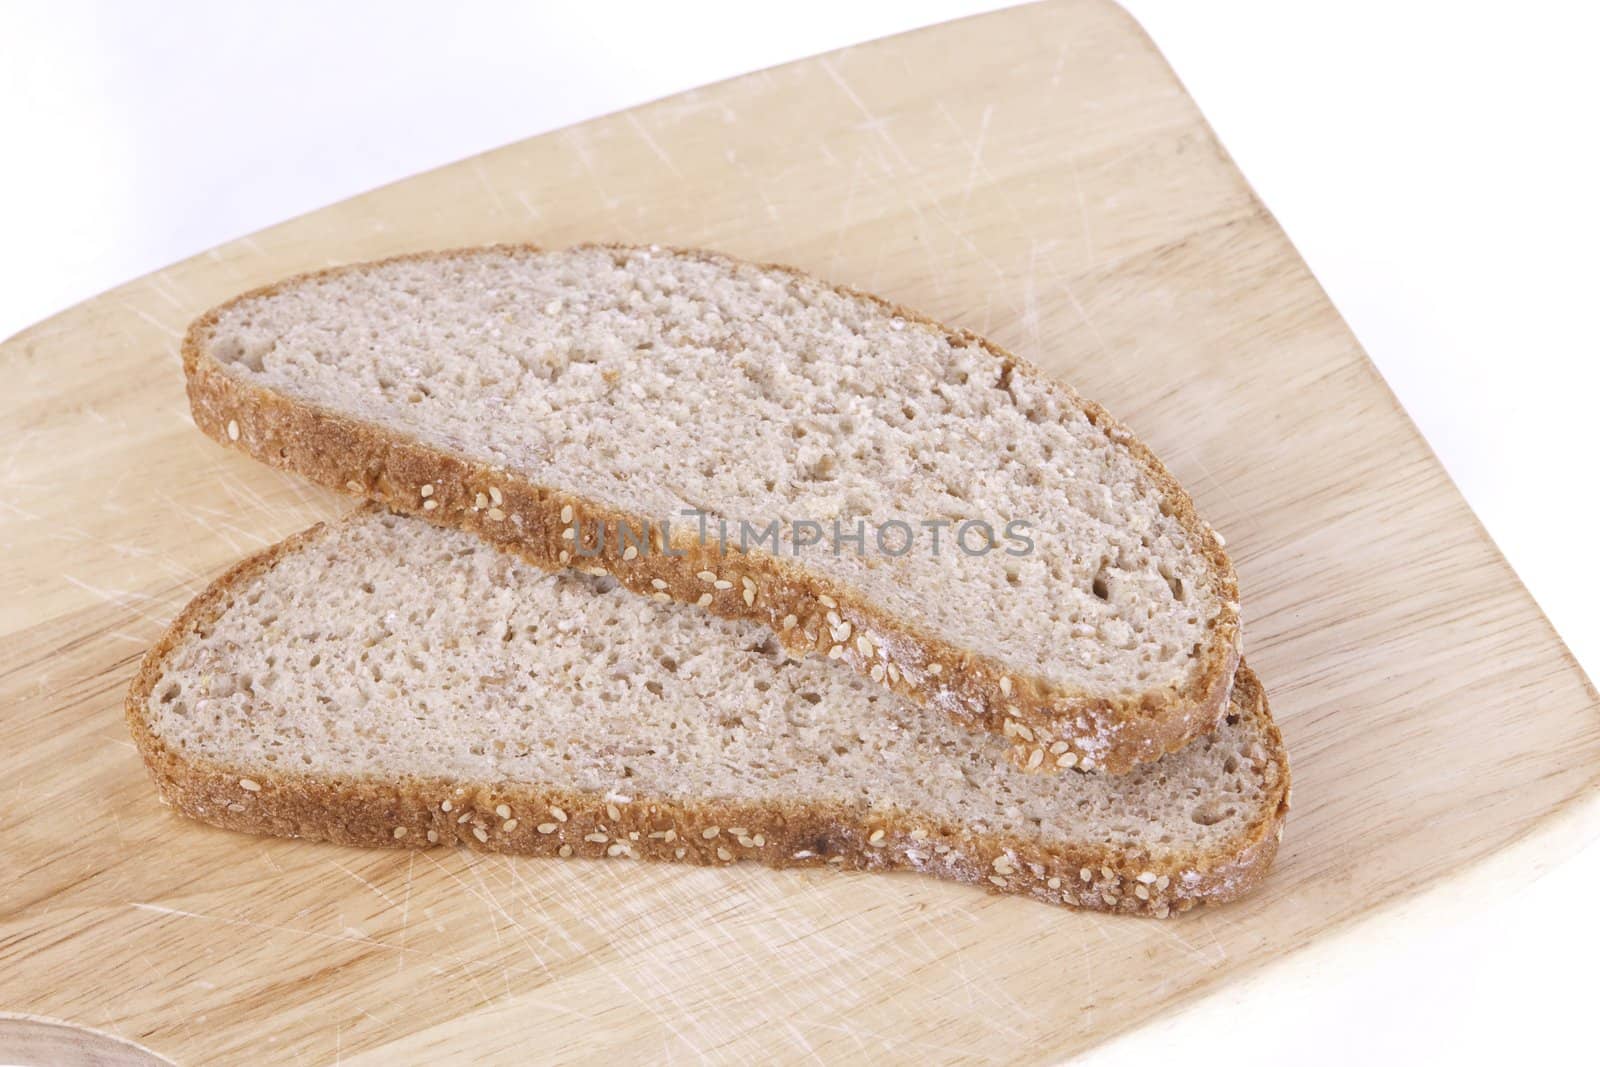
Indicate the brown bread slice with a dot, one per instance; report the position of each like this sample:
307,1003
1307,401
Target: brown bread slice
382,681
535,397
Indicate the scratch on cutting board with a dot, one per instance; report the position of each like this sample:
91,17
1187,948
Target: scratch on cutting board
141,313
977,155
488,185
455,959
1083,215
161,286
644,135
122,598
387,899
533,211
405,913
577,136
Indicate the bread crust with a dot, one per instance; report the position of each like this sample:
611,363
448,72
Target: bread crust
424,812
1111,733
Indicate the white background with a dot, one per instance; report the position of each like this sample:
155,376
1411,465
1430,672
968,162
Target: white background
1435,165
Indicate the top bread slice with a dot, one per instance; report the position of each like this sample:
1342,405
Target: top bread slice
1072,600
382,681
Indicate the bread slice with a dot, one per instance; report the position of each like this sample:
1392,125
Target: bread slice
536,398
381,681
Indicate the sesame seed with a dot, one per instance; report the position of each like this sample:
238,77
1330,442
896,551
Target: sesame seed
355,486
617,850
250,785
875,838
630,552
760,840
433,837
557,814
1005,684
566,513
789,622
1024,732
480,833
509,825
749,597
894,673
828,601
658,583
1058,748
836,652
1142,891
463,817
834,620
446,806
1107,872
670,835
427,490
1035,758
479,502
723,854
1163,882
1067,760
569,534
503,810
722,583
1002,865
494,495
863,644
999,881
936,668
706,576
1216,535
564,556
564,851
429,505
546,828
705,598
749,582
661,597
877,672
1053,883
598,839
236,807
709,832
1147,877
495,514
737,831
612,812
804,854
1086,874
919,835
233,430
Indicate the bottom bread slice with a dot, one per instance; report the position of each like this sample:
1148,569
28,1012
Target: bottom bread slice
382,681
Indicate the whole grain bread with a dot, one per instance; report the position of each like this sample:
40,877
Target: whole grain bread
549,401
382,681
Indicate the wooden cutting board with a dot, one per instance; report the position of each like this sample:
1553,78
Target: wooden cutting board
1037,175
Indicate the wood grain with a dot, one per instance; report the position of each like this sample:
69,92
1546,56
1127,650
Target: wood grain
1037,175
